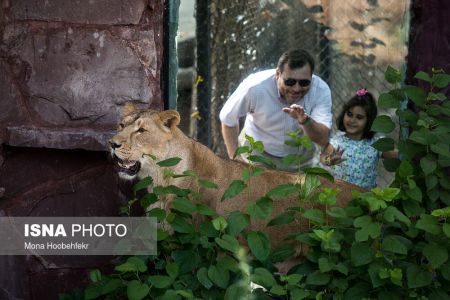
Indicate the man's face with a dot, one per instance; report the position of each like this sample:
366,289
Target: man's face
293,84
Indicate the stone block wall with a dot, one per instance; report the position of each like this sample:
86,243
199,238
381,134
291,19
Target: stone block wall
66,68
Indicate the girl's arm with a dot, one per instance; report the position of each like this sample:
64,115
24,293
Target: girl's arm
331,156
390,154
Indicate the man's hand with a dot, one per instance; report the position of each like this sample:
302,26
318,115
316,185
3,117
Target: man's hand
297,112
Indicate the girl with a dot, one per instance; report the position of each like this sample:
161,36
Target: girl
349,152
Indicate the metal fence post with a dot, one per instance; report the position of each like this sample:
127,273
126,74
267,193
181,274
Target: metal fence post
203,81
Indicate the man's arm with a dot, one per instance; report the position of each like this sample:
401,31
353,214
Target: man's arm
317,132
230,137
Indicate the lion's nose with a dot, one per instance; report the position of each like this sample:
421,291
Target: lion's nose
113,144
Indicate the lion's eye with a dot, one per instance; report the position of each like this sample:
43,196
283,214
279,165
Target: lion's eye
141,130
121,126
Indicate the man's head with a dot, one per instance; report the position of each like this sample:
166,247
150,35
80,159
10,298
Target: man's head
294,74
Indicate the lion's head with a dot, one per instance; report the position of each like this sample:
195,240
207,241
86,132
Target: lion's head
140,134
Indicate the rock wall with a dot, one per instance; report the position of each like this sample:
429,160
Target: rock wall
66,68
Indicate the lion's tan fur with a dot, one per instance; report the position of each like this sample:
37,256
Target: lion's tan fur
163,139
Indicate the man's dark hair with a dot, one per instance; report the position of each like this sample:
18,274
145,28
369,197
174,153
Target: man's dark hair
296,58
367,102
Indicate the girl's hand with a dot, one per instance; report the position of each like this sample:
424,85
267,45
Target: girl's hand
334,158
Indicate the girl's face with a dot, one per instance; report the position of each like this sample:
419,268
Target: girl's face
355,120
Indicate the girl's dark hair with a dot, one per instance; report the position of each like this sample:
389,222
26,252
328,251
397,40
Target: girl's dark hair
367,102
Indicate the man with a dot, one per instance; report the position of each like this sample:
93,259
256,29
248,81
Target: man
276,102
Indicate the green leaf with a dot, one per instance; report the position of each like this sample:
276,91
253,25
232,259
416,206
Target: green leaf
262,209
236,291
383,124
283,218
261,159
337,212
111,286
93,291
292,279
428,164
392,213
446,229
292,159
368,228
282,253
228,242
423,76
95,275
387,194
317,278
311,183
142,184
435,254
170,162
325,265
133,264
319,172
186,260
263,277
417,277
235,188
405,169
315,215
160,282
184,205
207,184
298,294
392,75
148,199
441,149
259,244
384,144
205,210
251,171
416,94
137,290
220,223
180,225
219,276
387,100
237,222
429,224
441,80
241,150
283,190
202,276
361,254
278,290
158,213
172,270
393,243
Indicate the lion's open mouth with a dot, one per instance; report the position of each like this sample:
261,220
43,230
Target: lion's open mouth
129,167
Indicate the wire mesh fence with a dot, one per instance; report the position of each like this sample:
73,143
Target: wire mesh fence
353,42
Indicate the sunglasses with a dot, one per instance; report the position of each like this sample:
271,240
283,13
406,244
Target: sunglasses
301,82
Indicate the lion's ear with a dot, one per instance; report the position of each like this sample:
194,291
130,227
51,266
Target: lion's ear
170,118
129,108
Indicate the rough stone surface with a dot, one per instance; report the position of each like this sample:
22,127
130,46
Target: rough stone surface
45,182
110,12
79,76
84,138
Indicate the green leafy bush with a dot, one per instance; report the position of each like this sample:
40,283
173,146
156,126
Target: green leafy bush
390,243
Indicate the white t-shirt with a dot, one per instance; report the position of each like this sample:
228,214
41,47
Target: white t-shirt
258,98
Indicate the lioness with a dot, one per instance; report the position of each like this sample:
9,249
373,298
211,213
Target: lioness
145,133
